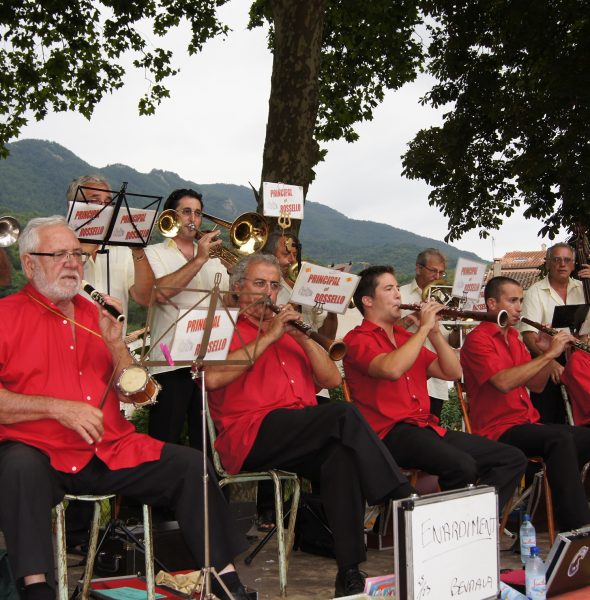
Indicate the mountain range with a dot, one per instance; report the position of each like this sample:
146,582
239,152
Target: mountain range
35,176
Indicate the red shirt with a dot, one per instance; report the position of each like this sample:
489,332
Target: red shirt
279,378
576,377
485,353
40,356
383,402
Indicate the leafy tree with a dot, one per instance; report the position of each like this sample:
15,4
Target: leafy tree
333,61
515,76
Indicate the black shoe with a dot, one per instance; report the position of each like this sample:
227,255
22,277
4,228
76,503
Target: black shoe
241,592
349,582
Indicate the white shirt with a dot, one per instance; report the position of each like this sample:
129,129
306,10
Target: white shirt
165,258
541,299
119,266
412,294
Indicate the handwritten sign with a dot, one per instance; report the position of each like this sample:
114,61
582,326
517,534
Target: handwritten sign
282,200
328,289
189,334
447,545
469,276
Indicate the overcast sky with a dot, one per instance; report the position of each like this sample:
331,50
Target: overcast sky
212,130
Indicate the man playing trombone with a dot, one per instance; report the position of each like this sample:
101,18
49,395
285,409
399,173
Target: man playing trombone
267,417
179,262
498,369
387,368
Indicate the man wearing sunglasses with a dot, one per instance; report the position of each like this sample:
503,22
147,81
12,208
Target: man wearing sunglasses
431,266
559,288
178,263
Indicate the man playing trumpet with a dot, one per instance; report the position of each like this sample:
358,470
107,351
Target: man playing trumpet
267,417
498,369
387,368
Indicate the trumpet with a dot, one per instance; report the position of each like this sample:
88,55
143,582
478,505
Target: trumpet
9,231
336,348
501,318
550,331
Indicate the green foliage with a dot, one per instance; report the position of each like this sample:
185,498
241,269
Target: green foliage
67,55
450,415
515,78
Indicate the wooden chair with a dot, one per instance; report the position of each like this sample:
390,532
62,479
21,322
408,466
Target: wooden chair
284,539
62,565
540,479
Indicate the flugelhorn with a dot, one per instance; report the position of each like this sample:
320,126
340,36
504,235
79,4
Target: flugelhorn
336,348
501,318
9,231
550,331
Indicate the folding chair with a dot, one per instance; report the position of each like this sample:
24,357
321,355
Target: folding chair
284,542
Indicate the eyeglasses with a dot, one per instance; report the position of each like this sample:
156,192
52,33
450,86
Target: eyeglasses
566,260
187,212
65,255
262,283
441,274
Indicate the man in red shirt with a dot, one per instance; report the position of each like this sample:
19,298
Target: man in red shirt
267,417
576,378
387,369
61,430
498,369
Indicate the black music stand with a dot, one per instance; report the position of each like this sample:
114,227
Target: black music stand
214,298
570,315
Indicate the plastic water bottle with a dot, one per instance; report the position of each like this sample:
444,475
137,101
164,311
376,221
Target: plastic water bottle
536,588
528,538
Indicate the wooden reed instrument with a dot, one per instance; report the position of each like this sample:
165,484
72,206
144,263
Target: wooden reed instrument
501,318
336,348
550,331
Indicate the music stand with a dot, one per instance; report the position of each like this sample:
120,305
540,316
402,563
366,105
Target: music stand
214,297
570,315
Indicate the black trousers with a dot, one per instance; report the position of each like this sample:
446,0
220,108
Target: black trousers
333,445
179,401
458,458
564,449
31,487
550,404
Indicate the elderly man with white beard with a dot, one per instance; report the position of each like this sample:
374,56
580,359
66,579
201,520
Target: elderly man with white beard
61,430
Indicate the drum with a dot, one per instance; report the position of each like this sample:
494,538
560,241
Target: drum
137,384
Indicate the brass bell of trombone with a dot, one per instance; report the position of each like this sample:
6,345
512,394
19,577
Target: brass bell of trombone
247,234
169,223
9,231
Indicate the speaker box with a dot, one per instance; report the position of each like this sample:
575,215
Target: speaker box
121,552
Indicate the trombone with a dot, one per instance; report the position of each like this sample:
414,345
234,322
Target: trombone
247,234
9,231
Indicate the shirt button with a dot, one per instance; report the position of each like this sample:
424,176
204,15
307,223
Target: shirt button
80,372
74,468
64,322
71,347
413,397
283,363
407,378
292,381
88,397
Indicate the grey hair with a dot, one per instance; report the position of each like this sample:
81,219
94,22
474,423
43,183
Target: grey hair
239,271
559,245
423,257
85,180
28,240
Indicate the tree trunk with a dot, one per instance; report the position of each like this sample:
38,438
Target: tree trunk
290,150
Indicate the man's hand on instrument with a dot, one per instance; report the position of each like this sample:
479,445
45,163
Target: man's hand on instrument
83,418
556,371
428,315
110,328
584,271
279,324
553,346
207,243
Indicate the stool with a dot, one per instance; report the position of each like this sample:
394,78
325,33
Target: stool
62,566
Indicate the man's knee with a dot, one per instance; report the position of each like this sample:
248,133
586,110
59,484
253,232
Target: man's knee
23,464
464,468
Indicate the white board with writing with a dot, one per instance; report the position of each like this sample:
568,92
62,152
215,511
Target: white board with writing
447,545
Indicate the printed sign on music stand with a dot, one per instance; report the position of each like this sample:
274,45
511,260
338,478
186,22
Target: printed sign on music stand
189,333
282,199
